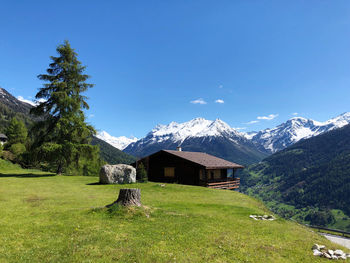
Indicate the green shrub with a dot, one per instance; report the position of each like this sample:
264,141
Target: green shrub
141,173
17,149
320,218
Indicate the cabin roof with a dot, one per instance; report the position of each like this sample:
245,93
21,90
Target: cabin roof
3,136
204,159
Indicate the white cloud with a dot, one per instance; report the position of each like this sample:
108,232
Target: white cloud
251,122
91,115
219,101
198,101
269,117
20,98
295,113
240,128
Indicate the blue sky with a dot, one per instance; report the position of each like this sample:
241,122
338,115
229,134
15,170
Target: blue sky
150,59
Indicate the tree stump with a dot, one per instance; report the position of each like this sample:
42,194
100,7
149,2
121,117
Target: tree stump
129,197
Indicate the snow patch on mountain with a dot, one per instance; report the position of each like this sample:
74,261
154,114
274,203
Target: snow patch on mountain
118,142
198,127
32,103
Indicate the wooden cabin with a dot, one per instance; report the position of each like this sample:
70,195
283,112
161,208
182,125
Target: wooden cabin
3,138
191,168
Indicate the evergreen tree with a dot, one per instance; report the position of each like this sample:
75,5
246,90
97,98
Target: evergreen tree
141,173
62,137
16,132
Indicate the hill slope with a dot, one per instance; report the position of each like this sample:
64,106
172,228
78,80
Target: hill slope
111,154
52,219
11,107
313,173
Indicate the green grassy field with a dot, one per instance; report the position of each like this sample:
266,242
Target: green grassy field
45,218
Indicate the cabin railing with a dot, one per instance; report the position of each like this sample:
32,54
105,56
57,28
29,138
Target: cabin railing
229,184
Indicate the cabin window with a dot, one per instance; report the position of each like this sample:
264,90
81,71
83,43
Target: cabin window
214,174
229,173
169,172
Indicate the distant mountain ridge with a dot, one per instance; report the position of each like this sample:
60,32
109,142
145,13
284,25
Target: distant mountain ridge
295,129
267,141
214,137
11,107
118,142
13,103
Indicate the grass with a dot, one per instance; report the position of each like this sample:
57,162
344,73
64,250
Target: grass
63,219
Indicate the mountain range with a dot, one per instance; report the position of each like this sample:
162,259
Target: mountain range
218,138
293,130
213,137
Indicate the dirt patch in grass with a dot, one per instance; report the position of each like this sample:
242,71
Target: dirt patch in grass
34,200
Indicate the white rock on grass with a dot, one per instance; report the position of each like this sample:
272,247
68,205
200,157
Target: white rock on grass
338,252
317,252
117,174
318,247
321,251
326,255
263,217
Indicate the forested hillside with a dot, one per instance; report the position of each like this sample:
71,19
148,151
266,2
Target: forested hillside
308,180
10,107
111,154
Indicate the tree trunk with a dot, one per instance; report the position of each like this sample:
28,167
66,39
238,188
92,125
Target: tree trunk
59,169
129,197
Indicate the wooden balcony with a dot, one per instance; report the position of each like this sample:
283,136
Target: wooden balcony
229,184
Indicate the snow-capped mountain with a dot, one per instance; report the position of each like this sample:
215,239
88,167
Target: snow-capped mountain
218,138
199,127
295,129
118,142
214,137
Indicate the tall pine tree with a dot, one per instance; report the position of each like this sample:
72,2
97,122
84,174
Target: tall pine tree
62,137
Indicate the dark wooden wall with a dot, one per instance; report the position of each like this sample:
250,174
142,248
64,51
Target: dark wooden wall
186,172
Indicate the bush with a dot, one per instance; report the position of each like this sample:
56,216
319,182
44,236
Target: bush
320,218
17,149
141,173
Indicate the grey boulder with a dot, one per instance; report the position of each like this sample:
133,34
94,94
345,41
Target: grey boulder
117,174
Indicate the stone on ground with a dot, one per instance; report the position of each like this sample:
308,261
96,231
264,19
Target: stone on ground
117,174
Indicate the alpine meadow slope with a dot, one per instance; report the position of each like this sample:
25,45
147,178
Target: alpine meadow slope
47,218
308,181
